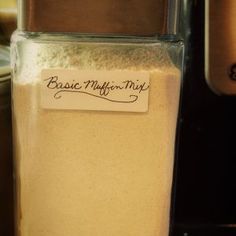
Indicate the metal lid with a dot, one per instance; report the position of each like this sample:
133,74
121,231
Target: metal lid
121,17
5,71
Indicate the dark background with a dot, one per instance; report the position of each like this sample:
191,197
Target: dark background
205,187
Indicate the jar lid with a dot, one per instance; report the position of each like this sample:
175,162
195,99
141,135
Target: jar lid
114,17
5,70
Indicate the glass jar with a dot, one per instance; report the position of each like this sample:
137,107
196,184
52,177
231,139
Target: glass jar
95,121
6,176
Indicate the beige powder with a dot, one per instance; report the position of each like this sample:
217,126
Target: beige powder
91,173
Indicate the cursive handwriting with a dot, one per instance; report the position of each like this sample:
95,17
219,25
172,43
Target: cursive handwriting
104,88
89,87
53,83
132,85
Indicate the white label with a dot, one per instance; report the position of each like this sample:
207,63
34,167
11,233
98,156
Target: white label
94,90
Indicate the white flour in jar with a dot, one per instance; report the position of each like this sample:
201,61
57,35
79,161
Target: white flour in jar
92,173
